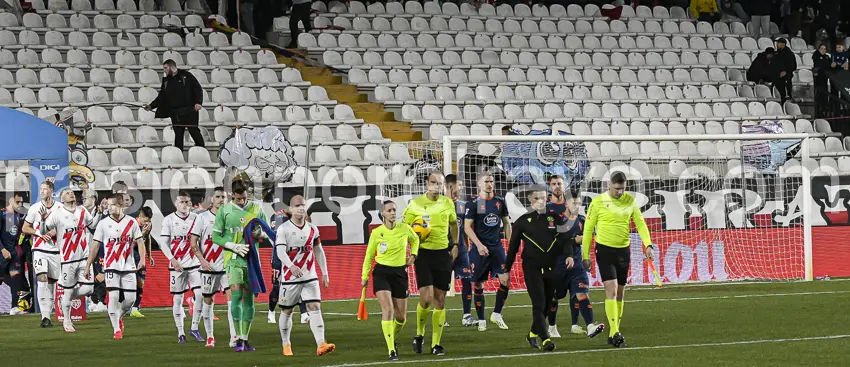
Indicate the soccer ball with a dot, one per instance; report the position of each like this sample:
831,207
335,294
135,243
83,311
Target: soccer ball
421,228
23,304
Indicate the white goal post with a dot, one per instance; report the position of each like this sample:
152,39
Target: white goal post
727,224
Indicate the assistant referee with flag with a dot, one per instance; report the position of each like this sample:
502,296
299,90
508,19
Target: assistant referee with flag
609,215
542,246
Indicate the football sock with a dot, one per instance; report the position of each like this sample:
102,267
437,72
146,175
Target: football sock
574,310
397,326
389,334
586,310
466,292
177,310
613,313
273,297
247,313
620,305
199,304
230,319
127,304
553,313
501,296
236,310
45,300
14,288
114,309
66,303
421,316
138,297
285,325
479,303
208,321
317,324
302,308
437,322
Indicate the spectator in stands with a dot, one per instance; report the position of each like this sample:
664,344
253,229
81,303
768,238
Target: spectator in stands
760,11
827,19
300,13
733,8
821,62
794,22
786,64
760,69
506,130
180,98
840,58
705,10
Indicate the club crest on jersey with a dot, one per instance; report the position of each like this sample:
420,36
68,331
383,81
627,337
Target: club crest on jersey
242,220
491,220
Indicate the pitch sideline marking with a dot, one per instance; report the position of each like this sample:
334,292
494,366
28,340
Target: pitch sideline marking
647,300
598,350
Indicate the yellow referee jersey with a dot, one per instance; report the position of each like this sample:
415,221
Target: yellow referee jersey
611,218
389,247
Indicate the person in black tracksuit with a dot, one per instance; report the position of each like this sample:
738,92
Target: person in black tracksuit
785,65
544,239
180,98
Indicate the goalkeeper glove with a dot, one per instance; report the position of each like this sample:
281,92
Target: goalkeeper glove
240,249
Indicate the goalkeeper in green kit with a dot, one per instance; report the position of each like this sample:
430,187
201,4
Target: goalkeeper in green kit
227,232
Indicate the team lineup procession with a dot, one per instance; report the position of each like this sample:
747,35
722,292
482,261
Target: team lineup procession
459,183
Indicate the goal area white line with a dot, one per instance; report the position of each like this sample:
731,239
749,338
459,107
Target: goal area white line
602,350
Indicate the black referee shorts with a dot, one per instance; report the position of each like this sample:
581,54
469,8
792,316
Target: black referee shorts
613,263
390,278
434,267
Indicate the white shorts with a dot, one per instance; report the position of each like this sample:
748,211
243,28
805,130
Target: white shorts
180,281
74,274
213,283
294,293
47,263
125,281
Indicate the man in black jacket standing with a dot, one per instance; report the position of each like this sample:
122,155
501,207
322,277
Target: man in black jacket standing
786,65
180,98
544,239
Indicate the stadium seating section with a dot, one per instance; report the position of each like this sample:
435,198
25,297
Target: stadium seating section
445,69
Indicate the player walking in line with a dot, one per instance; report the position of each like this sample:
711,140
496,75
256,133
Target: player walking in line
461,264
277,219
230,220
71,223
45,254
575,281
483,222
609,215
435,260
182,265
211,258
117,232
144,219
298,246
388,247
543,245
11,254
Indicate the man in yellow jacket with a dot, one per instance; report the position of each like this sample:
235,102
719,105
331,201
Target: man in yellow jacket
705,10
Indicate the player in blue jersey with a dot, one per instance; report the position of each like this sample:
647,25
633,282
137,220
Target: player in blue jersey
575,278
461,265
484,219
277,219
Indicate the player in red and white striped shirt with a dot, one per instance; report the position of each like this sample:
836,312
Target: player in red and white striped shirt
176,246
211,257
299,249
117,232
45,255
71,223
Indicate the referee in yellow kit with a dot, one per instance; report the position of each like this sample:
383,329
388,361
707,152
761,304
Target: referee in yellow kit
388,247
609,215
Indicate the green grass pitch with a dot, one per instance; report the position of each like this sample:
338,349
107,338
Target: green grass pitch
755,324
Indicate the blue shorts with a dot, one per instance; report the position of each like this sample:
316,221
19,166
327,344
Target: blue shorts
140,274
487,267
13,264
575,281
461,264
